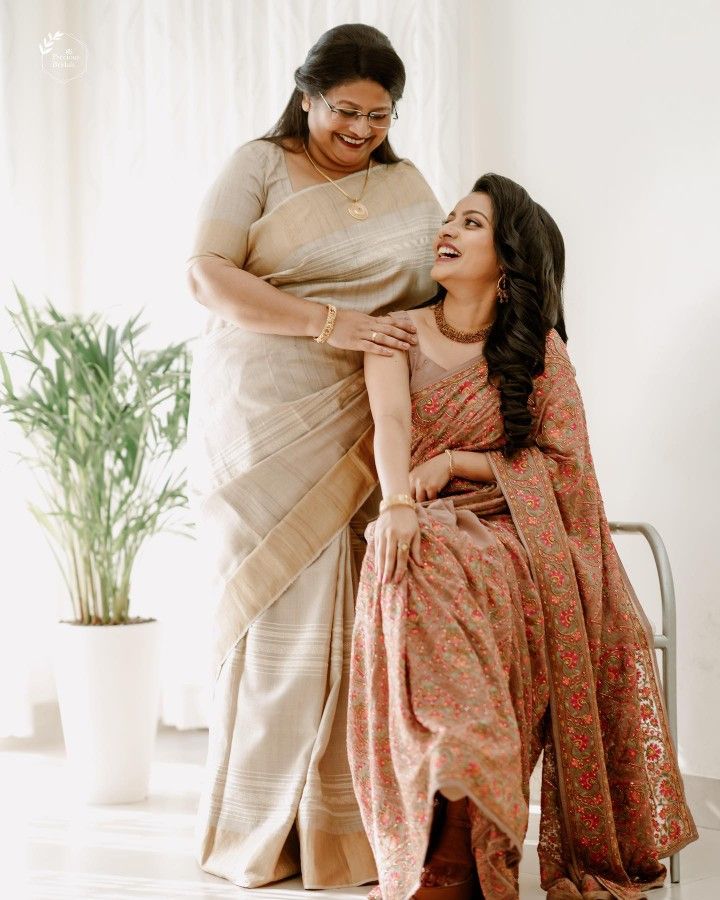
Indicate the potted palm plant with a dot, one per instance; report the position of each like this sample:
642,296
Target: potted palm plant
102,419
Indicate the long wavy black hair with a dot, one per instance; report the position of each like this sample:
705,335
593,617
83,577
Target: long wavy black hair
531,252
343,54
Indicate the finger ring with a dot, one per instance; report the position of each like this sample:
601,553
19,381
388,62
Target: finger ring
404,547
374,336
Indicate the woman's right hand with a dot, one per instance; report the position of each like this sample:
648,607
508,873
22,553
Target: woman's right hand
397,538
371,334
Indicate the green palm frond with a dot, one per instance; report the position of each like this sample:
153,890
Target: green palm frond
103,419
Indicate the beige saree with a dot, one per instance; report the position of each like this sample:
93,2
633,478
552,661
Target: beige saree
519,634
281,463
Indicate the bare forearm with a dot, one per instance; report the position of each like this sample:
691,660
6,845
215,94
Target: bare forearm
242,298
474,466
392,455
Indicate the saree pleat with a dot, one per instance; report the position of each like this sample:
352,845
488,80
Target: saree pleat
518,634
281,445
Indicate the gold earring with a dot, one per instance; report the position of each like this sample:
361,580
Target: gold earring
502,289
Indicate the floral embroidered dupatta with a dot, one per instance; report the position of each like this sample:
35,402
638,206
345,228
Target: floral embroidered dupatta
612,798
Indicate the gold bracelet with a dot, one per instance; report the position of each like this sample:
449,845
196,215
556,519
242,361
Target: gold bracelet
451,473
329,325
396,500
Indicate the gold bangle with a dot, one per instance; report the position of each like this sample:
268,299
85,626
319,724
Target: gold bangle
396,500
329,325
451,472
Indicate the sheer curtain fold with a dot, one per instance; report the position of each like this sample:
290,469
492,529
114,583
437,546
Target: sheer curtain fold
103,176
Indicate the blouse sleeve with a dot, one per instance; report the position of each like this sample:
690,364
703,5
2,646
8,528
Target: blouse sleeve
234,201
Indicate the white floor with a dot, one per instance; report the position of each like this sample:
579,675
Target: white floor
53,849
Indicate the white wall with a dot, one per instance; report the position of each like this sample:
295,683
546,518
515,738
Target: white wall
609,114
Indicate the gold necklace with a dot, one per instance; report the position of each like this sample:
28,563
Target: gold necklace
462,337
356,209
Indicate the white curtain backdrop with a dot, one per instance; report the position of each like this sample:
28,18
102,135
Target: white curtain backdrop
100,181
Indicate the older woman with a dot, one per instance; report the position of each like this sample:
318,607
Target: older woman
306,240
494,619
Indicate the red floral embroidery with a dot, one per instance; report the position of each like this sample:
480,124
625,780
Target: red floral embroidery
557,577
590,819
578,699
582,741
653,752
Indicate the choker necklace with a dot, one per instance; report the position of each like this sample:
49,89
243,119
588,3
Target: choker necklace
356,209
462,337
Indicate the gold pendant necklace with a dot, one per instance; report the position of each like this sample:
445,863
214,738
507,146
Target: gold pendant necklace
356,209
461,337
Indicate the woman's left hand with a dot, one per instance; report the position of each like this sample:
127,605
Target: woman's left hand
430,477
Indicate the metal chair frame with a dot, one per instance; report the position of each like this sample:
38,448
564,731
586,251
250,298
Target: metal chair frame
666,640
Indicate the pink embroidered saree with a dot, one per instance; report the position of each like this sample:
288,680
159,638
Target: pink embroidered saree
519,634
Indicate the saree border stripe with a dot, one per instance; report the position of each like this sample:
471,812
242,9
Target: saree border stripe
297,540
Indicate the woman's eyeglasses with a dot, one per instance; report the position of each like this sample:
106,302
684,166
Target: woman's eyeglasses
380,120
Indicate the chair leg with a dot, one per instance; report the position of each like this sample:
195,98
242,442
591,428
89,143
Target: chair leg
675,868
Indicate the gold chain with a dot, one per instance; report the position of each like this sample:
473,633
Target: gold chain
335,184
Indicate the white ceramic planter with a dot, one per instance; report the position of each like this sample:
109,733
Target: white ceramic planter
108,683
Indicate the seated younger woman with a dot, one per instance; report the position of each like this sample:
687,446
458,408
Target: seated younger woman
494,620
